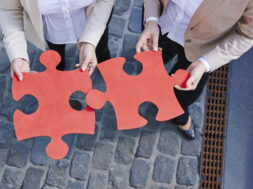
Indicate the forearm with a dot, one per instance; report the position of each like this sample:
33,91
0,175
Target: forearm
232,47
96,22
11,22
152,8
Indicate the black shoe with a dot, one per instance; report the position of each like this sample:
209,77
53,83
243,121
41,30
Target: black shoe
190,133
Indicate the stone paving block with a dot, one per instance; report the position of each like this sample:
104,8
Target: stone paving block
109,128
192,147
58,174
6,131
39,155
74,185
125,150
8,106
116,26
121,6
129,68
131,132
32,50
102,156
86,142
32,178
18,155
169,141
3,85
48,187
117,178
135,23
139,173
5,63
187,171
3,157
11,179
196,111
159,187
164,169
138,3
80,165
98,114
114,43
183,187
129,46
146,144
69,139
97,180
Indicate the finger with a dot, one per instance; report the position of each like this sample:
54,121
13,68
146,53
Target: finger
85,64
34,72
182,89
145,47
78,65
18,73
160,49
155,43
139,45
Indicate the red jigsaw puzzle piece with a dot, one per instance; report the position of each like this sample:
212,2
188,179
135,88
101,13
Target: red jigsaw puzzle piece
54,117
127,93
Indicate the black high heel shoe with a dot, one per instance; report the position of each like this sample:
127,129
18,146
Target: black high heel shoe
190,133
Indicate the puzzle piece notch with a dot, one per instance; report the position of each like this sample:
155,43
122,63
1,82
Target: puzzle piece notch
127,93
54,116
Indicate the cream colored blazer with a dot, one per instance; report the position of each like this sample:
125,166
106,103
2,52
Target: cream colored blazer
220,30
21,20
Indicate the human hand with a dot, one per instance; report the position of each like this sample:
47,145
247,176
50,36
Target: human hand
196,70
87,57
148,40
18,66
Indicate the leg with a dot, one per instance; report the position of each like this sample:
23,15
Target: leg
186,98
60,48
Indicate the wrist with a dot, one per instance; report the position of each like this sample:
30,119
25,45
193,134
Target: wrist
201,66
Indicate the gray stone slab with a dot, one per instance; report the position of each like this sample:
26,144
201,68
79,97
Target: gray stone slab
80,165
118,178
129,47
74,185
109,128
116,26
28,104
169,141
192,147
3,85
164,169
58,174
97,180
135,23
187,171
5,62
69,140
18,155
121,6
3,157
86,141
6,131
102,156
125,150
33,178
11,179
138,3
139,173
146,144
39,155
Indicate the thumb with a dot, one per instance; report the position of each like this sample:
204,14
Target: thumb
85,63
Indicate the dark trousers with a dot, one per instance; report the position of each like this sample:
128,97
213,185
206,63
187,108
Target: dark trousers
102,49
185,98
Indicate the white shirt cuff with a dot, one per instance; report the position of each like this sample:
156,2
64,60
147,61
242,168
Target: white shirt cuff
205,62
151,19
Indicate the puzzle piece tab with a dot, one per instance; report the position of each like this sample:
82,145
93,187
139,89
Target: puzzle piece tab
127,93
54,117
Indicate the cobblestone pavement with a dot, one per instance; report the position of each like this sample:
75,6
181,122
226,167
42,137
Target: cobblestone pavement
155,156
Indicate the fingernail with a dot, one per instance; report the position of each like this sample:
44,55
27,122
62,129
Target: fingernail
20,78
83,69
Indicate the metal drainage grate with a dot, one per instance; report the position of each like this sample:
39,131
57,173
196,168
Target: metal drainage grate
214,131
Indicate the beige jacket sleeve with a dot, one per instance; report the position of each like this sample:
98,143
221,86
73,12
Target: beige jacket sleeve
11,22
96,22
152,8
235,44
